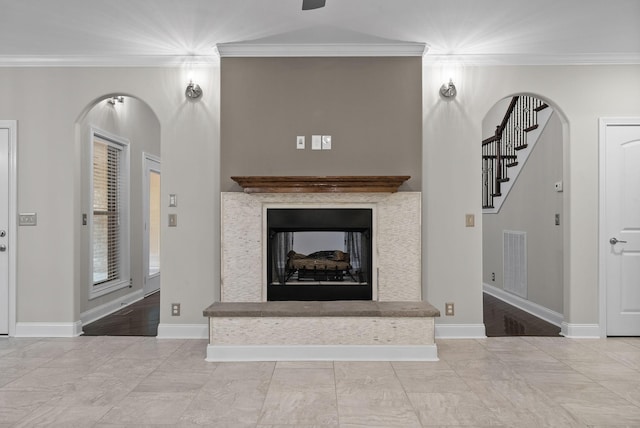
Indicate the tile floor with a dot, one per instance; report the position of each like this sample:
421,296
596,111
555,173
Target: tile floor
141,381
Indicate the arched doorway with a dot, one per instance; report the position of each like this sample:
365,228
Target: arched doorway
117,137
523,218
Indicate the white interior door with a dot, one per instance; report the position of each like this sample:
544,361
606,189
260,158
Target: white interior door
151,244
8,186
4,225
622,228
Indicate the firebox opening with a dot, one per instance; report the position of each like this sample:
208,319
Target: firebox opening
319,254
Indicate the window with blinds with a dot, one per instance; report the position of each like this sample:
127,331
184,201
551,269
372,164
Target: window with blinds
109,215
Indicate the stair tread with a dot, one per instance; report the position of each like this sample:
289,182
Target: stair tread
531,128
503,180
541,107
509,165
503,156
521,147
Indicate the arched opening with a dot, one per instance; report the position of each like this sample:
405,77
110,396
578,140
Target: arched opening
524,213
118,142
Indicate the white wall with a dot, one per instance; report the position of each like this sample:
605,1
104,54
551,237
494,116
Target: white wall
531,207
47,102
136,122
452,133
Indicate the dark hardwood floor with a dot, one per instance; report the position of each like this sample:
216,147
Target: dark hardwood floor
142,318
138,319
502,319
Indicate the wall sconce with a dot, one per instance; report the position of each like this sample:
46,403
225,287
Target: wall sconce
193,91
114,100
448,90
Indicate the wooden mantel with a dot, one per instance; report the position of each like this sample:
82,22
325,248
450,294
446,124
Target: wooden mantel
315,184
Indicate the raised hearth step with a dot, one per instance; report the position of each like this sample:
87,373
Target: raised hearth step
342,308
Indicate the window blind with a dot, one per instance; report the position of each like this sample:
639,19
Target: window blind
107,204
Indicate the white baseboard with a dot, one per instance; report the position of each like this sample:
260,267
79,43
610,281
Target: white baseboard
322,353
183,331
534,309
460,331
580,331
48,329
110,307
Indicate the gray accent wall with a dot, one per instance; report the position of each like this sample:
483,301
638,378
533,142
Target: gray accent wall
372,108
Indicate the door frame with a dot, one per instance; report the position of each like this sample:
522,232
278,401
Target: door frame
146,158
12,126
603,245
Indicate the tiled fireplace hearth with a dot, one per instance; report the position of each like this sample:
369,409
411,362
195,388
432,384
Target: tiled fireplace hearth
345,330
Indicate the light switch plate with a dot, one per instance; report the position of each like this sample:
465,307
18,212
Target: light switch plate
326,142
173,200
469,220
173,220
300,142
316,142
27,219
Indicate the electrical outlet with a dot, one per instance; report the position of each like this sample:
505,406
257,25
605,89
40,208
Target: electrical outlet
493,276
448,309
175,309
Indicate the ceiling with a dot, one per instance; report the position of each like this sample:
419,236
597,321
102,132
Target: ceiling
160,32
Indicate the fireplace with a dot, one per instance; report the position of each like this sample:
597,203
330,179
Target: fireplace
319,254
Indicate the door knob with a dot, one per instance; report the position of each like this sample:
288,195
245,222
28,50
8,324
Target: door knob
614,241
3,248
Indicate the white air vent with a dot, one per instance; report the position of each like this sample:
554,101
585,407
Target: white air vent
514,252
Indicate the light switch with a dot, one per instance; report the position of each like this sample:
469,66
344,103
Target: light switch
173,220
326,142
300,142
470,220
173,200
316,142
27,219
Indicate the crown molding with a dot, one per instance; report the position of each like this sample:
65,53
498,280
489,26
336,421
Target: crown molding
321,49
631,58
107,60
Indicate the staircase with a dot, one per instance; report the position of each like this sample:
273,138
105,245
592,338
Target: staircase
505,153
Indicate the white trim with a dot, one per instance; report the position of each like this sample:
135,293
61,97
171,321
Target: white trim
580,331
48,329
183,331
535,309
534,59
322,353
106,61
180,60
12,126
321,49
603,244
125,220
149,163
105,309
460,331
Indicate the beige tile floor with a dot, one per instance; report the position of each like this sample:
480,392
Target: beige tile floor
138,382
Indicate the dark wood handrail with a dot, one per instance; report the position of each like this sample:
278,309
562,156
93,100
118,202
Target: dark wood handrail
507,115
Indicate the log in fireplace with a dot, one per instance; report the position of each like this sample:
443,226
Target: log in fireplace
309,271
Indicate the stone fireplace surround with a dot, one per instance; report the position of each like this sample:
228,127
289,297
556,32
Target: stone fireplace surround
265,335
